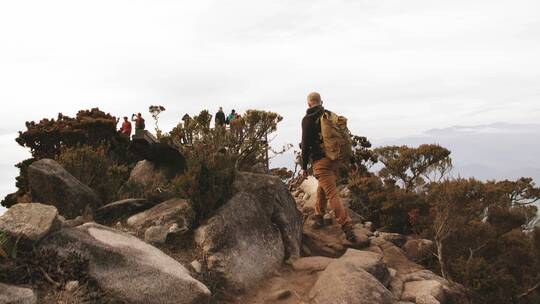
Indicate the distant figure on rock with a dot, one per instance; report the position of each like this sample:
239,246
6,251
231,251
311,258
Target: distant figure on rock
188,134
139,122
126,127
237,125
220,118
231,117
326,148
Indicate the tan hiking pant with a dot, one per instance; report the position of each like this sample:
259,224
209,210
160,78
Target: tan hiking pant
325,172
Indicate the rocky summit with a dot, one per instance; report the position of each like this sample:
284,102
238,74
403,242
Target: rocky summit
259,246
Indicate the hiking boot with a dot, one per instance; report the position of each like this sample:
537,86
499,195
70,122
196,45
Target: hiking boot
349,233
318,221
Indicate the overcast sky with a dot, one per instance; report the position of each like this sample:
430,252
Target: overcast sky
394,67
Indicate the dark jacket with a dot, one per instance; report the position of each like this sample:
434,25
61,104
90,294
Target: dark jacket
311,138
220,118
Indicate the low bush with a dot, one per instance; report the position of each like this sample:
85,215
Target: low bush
93,167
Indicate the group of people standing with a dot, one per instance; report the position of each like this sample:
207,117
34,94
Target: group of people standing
220,120
126,124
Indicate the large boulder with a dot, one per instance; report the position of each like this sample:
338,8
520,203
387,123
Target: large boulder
147,173
122,209
314,263
51,184
369,261
172,216
175,210
346,281
30,221
412,291
126,268
249,237
407,271
394,238
330,241
16,295
418,249
309,188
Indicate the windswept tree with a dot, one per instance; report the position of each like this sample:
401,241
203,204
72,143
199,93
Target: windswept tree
413,167
362,154
215,154
454,204
46,138
155,111
248,145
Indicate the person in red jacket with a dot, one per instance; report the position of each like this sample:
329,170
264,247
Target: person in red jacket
126,127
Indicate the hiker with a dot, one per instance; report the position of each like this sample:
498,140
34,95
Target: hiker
231,117
126,127
188,133
237,125
139,122
326,154
220,118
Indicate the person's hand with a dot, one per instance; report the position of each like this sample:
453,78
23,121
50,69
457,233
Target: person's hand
303,174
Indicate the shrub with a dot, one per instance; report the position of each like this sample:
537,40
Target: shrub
208,182
47,138
247,143
213,156
489,252
387,206
92,166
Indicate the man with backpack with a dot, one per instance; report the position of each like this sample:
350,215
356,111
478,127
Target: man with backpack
326,143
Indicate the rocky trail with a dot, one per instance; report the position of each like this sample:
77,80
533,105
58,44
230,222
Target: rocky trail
259,247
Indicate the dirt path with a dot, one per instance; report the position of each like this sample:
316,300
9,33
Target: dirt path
287,286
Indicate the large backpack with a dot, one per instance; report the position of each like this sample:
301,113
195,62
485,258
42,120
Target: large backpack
335,136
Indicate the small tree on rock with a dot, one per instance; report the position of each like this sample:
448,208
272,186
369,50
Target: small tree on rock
413,166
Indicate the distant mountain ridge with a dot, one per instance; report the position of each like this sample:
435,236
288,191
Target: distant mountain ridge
498,127
492,151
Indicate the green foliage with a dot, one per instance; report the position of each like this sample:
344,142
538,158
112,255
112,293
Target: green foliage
208,182
507,219
362,154
246,143
385,205
397,209
486,282
93,167
213,156
489,252
479,228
